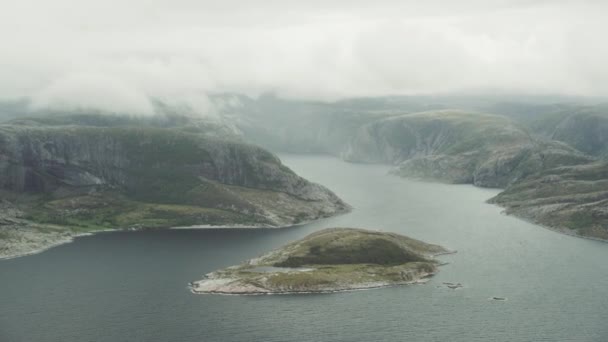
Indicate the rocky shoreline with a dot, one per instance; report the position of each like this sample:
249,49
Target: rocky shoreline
11,249
208,286
22,238
32,239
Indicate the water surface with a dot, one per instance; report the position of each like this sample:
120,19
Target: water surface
132,286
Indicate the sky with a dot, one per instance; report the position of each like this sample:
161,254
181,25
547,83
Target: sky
117,56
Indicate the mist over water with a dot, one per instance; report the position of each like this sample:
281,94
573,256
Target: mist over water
131,286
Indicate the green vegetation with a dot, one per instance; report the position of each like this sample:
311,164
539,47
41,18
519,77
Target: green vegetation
152,179
88,173
580,220
367,251
112,211
329,260
350,245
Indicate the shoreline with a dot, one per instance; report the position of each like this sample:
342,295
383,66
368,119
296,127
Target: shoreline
420,281
562,231
70,237
262,226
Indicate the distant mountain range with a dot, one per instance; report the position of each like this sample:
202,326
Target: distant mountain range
548,153
510,143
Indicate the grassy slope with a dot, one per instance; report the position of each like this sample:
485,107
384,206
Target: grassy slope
351,246
111,210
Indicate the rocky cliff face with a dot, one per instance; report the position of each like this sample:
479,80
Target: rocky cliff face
89,178
458,147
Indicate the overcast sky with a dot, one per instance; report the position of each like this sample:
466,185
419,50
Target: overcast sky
116,54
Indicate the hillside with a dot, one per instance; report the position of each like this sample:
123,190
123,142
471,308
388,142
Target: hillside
572,199
583,127
459,147
82,178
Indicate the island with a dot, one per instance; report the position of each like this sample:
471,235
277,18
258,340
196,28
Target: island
330,260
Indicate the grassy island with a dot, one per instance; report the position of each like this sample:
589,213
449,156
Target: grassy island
334,259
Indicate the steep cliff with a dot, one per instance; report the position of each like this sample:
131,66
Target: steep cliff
91,178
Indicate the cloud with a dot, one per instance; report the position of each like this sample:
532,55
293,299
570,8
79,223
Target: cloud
92,92
115,56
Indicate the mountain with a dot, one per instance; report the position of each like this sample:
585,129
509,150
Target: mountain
458,147
416,135
571,199
582,127
300,126
530,136
75,178
454,146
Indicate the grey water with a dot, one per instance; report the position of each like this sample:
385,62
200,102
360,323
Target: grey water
132,286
